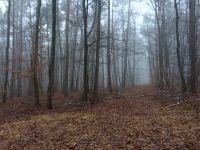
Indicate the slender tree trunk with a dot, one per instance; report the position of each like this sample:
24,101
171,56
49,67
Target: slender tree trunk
30,87
60,66
115,56
164,43
19,86
160,51
13,54
48,39
192,46
126,49
74,52
109,81
34,59
134,54
66,72
98,30
41,62
80,61
184,88
103,72
7,54
52,57
85,74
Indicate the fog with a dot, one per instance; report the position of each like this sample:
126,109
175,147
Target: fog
127,35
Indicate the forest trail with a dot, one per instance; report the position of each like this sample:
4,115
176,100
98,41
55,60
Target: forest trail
138,118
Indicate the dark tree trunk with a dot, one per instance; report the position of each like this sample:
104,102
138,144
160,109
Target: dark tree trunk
109,81
98,28
160,51
20,54
7,54
85,74
180,66
34,58
192,46
52,57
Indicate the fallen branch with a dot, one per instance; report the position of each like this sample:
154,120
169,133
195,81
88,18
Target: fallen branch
178,103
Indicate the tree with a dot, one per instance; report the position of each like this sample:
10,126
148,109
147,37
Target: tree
85,70
160,50
180,66
7,54
72,83
66,72
98,43
192,46
109,82
126,48
160,8
20,54
52,57
34,58
12,89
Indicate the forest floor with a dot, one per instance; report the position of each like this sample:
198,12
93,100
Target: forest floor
139,118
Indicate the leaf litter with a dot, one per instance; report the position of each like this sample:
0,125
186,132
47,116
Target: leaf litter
139,118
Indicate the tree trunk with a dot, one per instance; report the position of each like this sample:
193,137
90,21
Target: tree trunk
20,63
74,52
52,57
126,49
160,51
180,66
192,46
98,42
66,66
109,81
7,54
13,55
34,58
85,74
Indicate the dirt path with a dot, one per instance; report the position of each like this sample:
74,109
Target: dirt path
136,119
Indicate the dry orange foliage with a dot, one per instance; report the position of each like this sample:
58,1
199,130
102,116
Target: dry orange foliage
138,118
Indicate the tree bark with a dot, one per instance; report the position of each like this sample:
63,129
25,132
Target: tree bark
34,59
13,54
72,84
7,54
52,57
85,74
180,66
98,42
66,66
126,49
192,46
109,81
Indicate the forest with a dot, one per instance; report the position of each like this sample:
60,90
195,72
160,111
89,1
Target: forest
99,74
